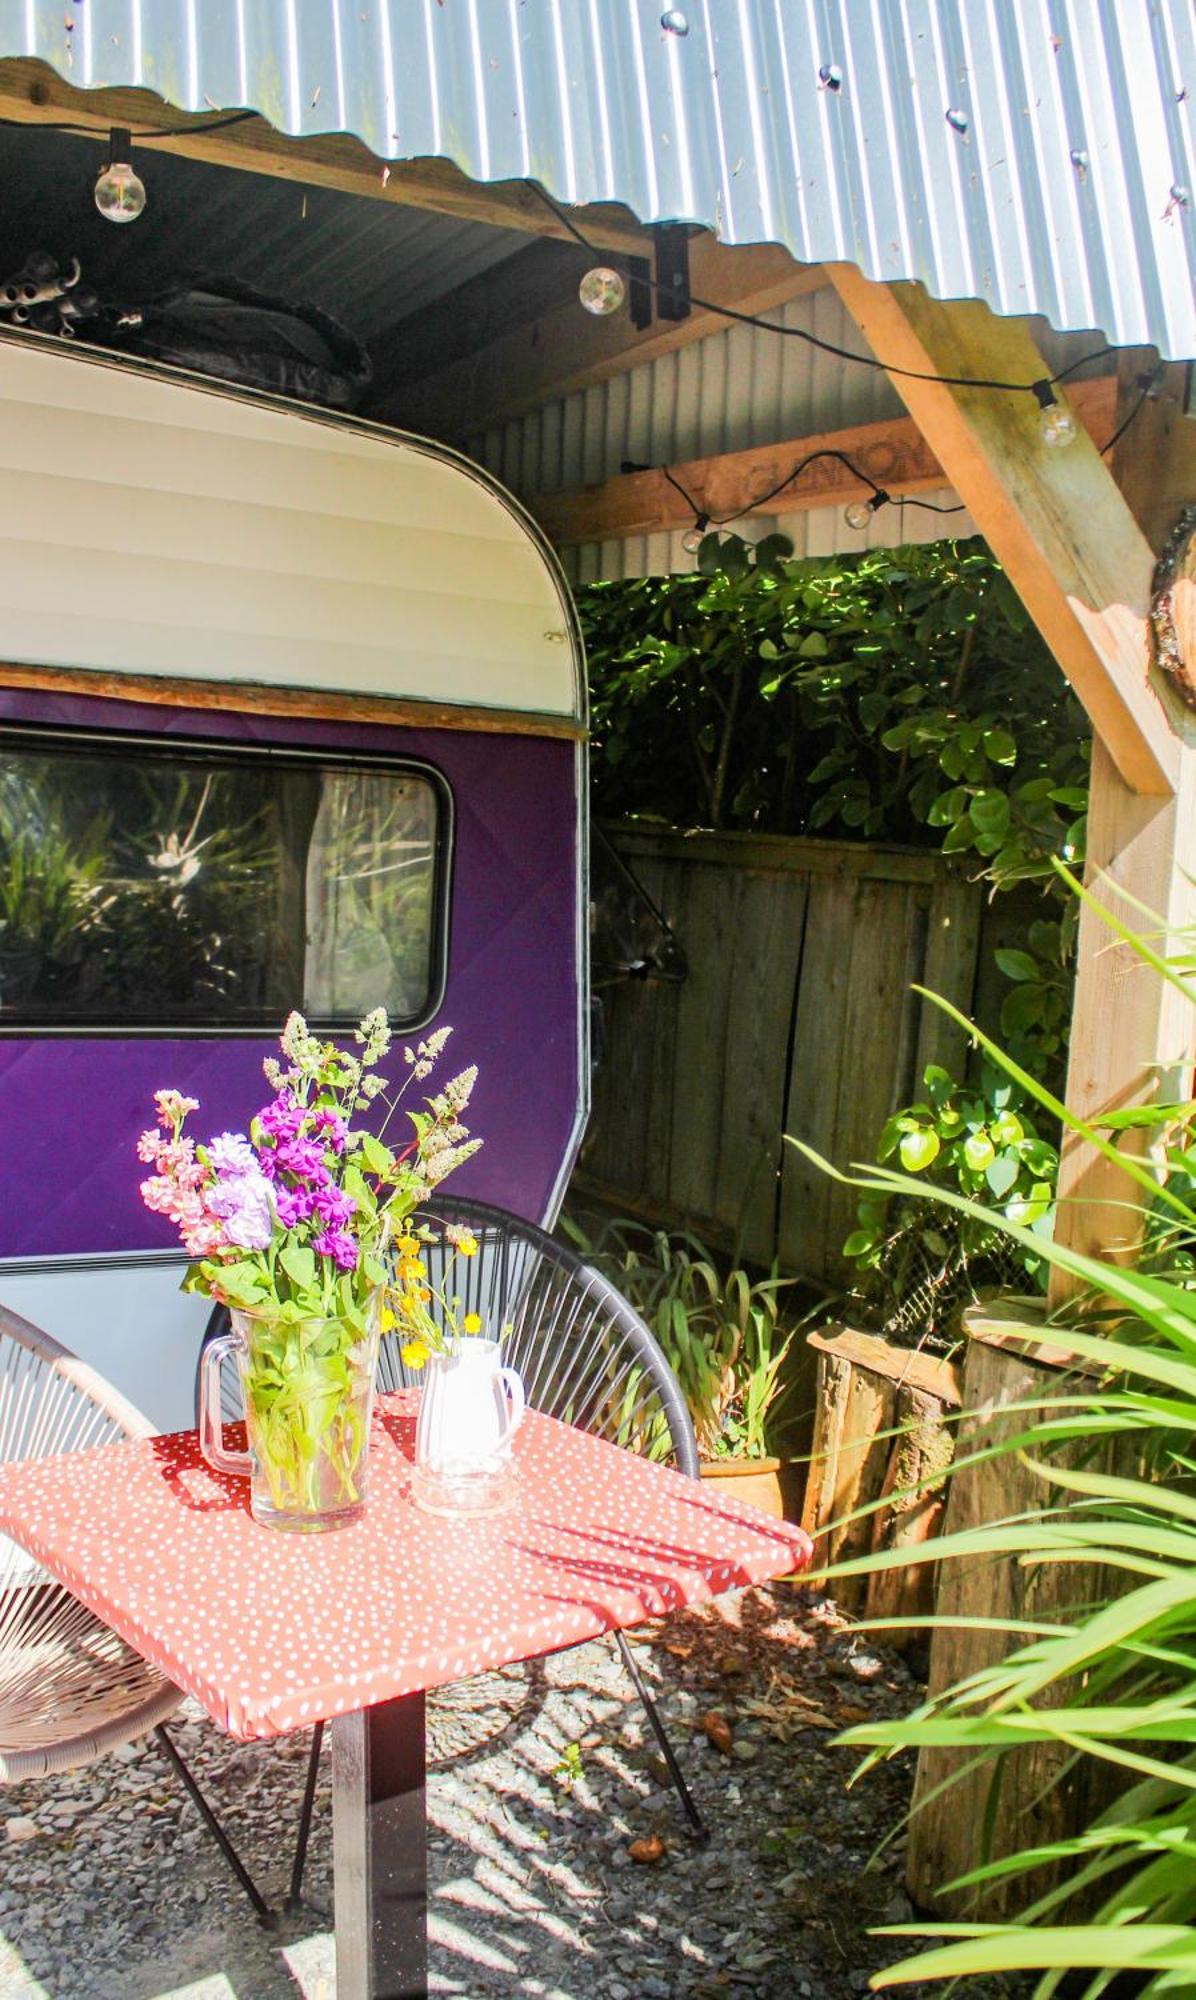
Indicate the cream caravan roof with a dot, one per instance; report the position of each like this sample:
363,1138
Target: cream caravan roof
151,523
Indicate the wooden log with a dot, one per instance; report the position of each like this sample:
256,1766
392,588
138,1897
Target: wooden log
1041,1798
915,1485
879,1428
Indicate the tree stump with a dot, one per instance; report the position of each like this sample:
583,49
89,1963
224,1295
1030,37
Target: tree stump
1039,1800
881,1430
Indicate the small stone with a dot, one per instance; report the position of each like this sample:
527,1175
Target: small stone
717,1730
866,1666
21,1829
746,1752
648,1850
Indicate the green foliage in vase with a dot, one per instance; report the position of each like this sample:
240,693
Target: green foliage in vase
1113,1679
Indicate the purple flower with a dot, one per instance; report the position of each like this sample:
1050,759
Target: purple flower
304,1157
283,1118
243,1205
339,1245
231,1154
333,1125
334,1206
294,1205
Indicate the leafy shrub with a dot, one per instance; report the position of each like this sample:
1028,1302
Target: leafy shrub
917,1267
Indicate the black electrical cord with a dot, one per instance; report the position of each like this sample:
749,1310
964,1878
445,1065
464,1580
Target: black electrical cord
154,132
1045,382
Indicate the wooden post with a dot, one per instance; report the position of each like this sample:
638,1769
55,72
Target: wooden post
1041,1798
1075,552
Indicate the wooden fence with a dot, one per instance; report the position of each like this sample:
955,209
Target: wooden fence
797,1017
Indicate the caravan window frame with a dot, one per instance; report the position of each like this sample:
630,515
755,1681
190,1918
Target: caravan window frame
223,753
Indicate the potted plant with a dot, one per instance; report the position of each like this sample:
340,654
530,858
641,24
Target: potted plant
723,1336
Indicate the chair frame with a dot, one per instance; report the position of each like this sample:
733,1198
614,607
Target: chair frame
97,1413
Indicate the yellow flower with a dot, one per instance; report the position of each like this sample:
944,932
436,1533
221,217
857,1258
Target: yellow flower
415,1352
408,1245
468,1244
411,1268
388,1321
472,1322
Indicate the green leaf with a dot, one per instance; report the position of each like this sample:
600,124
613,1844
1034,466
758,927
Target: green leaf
813,647
1016,964
999,746
989,813
978,1151
1001,1173
376,1155
299,1263
919,1150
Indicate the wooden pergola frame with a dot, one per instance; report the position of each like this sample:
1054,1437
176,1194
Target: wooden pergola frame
1078,537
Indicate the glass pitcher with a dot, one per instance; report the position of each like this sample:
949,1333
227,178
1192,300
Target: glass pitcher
307,1389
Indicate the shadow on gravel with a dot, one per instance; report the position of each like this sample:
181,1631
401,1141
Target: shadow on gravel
541,1781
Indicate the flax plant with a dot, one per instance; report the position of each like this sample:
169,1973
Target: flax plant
1116,1680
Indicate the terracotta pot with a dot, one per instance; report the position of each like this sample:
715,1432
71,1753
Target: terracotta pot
772,1484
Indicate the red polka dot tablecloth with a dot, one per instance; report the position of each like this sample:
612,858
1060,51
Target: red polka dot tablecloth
273,1631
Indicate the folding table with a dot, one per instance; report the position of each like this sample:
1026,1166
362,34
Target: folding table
273,1631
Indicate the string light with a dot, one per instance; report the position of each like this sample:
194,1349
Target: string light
602,291
992,382
692,539
120,191
1055,420
858,513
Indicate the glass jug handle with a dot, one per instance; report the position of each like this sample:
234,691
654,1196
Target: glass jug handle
512,1382
211,1429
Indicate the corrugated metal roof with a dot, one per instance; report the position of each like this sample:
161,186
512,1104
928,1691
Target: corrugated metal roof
1038,154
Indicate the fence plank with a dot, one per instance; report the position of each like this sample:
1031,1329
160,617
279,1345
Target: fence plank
766,948
820,1054
691,1102
711,920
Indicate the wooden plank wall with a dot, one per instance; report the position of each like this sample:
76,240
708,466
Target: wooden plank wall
797,1016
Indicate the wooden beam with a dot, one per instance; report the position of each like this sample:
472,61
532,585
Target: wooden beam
261,698
1055,519
32,93
1132,1036
893,452
558,351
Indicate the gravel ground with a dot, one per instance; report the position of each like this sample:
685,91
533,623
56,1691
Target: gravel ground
109,1889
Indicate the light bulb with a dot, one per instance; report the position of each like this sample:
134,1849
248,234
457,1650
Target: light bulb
120,193
1055,420
602,291
1057,425
692,539
858,513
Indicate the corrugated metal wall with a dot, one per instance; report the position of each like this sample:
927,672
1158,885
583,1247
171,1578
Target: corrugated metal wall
746,386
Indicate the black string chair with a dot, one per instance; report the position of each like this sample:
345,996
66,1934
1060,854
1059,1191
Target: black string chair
585,1356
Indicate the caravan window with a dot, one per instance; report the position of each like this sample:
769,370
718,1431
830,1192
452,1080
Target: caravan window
147,886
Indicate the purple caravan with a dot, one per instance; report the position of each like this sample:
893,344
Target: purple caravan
291,714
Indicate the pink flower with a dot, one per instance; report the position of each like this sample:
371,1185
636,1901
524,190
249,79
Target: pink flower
173,1107
304,1157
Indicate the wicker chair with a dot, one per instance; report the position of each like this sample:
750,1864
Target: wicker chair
70,1689
585,1356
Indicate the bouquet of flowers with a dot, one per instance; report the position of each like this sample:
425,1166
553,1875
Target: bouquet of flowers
291,1226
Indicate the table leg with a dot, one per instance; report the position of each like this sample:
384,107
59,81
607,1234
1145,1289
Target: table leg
380,1852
